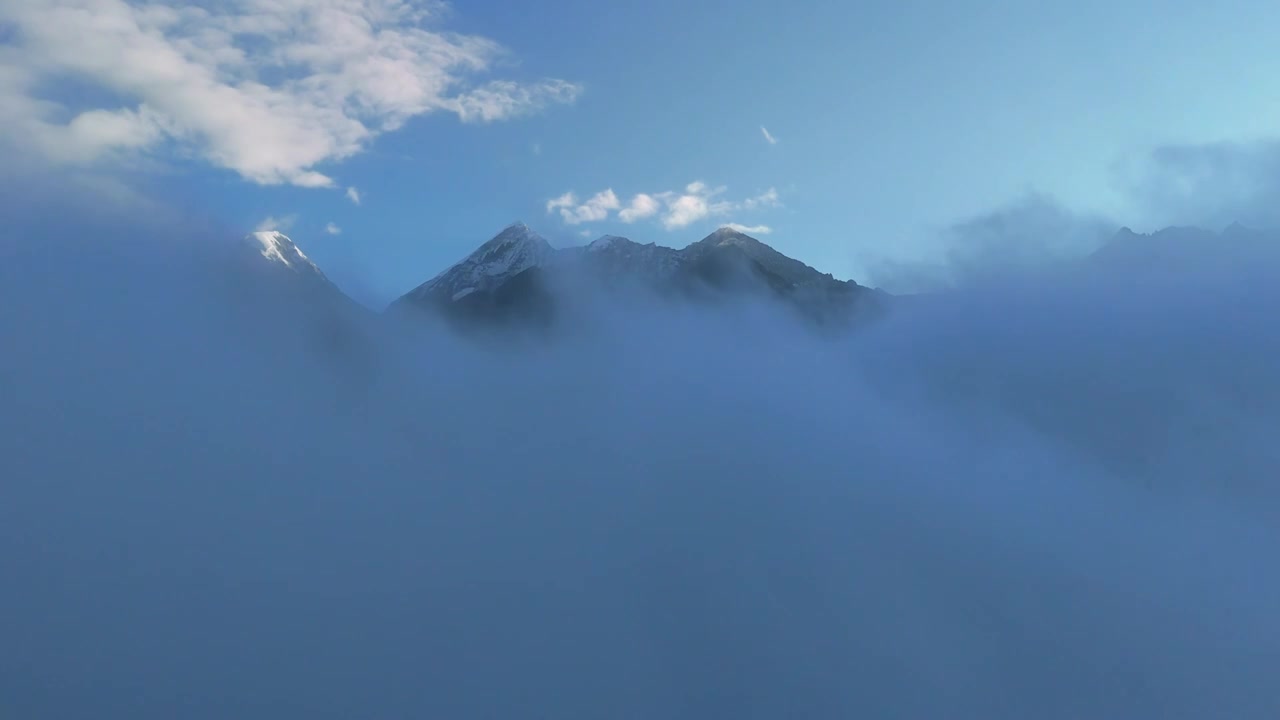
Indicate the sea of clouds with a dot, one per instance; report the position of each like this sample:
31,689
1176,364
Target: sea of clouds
1047,495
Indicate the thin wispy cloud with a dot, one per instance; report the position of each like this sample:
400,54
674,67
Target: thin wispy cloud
768,136
264,88
333,229
672,209
274,223
353,195
766,199
750,229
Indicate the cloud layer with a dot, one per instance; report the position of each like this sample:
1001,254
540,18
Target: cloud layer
672,209
269,89
1022,500
1031,234
1211,184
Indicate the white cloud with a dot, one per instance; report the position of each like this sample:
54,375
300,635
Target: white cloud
685,210
502,99
333,229
269,89
566,200
537,148
750,229
596,207
697,203
674,210
353,195
640,207
585,232
271,222
768,136
768,198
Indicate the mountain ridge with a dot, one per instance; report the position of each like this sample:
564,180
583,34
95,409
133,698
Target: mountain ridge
518,261
517,276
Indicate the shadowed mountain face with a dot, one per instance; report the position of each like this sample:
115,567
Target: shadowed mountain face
517,277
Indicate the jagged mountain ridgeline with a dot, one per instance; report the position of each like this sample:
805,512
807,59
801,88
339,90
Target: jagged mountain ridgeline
518,277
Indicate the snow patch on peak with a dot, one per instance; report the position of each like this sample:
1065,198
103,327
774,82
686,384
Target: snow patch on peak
515,249
277,247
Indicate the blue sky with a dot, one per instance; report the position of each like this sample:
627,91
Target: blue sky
892,120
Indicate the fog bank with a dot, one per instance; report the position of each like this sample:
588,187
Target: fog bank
1031,497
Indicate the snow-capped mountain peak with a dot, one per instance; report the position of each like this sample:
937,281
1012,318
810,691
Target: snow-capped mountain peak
272,260
512,251
281,252
277,247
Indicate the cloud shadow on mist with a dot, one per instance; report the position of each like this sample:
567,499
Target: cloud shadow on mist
1024,499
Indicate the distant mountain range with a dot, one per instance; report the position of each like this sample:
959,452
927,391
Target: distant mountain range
518,278
1181,250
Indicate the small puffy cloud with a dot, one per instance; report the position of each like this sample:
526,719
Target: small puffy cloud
353,195
596,208
269,89
640,207
685,210
768,136
673,209
750,229
584,233
566,200
698,202
333,229
281,224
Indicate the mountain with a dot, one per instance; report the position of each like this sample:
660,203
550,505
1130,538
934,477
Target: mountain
519,277
285,292
1187,251
617,259
512,251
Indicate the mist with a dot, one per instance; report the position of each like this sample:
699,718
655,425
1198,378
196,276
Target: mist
1033,496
